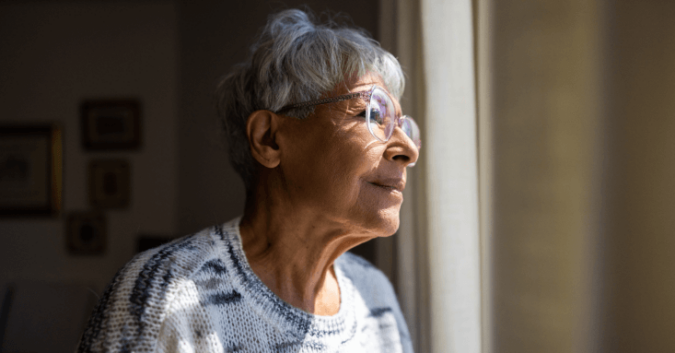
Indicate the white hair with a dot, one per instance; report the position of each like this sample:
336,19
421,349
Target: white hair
295,60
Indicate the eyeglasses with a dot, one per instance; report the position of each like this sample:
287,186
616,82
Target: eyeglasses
380,114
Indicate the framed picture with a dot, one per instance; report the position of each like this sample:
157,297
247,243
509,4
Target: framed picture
109,183
86,233
30,170
111,124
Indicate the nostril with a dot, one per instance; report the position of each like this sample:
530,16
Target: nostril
402,158
405,159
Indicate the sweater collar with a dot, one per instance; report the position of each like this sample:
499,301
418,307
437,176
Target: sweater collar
287,318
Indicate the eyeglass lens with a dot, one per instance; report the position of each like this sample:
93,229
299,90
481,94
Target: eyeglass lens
382,118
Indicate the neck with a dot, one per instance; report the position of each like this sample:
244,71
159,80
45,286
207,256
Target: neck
292,251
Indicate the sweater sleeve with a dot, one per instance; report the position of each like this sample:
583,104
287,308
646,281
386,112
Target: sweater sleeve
141,298
126,315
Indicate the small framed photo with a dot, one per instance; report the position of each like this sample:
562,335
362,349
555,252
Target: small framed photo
86,233
31,170
111,124
109,183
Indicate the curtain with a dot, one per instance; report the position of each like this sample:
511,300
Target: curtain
451,175
540,217
438,245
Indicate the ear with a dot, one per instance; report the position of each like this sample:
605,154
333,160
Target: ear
261,130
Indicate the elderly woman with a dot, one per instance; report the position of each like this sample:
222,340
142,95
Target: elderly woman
314,128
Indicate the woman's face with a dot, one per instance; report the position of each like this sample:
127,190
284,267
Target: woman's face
335,170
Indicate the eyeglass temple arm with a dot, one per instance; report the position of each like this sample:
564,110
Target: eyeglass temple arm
364,95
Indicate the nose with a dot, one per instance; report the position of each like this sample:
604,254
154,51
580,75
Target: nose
401,149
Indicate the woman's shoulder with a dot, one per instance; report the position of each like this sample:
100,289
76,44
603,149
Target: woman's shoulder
176,260
377,293
370,281
136,301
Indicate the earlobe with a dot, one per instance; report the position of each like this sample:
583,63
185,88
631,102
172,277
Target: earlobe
261,128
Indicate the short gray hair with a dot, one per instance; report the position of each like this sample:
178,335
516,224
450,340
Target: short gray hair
294,60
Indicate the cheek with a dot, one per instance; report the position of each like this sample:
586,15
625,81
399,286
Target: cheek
348,157
328,172
346,168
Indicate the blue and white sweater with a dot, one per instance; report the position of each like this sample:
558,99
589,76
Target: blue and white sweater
199,294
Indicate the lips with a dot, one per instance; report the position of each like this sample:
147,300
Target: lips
393,184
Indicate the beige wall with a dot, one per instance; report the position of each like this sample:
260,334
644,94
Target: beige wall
55,54
546,111
583,145
640,179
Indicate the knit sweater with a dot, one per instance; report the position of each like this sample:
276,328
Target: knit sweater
199,294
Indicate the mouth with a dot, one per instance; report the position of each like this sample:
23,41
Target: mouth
386,188
391,185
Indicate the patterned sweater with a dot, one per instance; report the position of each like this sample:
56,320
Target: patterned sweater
199,294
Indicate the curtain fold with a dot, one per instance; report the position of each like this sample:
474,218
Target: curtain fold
438,244
451,175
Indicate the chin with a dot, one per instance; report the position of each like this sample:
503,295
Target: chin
392,227
378,218
386,223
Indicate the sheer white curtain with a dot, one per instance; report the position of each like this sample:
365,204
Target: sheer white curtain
451,175
438,245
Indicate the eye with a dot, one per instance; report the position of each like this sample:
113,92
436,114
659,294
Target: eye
362,114
376,116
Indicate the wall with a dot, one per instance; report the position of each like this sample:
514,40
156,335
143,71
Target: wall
545,119
639,307
55,54
582,166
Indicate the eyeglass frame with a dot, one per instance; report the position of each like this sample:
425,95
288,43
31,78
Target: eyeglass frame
366,95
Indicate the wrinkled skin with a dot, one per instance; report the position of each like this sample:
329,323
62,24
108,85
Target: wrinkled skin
325,185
